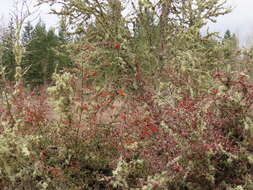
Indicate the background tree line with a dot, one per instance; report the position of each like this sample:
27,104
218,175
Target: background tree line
44,52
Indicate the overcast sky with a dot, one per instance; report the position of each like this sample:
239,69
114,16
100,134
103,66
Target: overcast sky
240,21
6,6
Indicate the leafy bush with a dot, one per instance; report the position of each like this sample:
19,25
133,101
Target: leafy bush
141,110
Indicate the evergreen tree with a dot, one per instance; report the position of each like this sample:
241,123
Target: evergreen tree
63,34
27,34
45,50
64,38
41,57
8,58
230,42
227,35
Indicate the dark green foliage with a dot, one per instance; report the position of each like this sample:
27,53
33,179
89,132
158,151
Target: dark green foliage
8,59
44,52
227,35
27,34
41,57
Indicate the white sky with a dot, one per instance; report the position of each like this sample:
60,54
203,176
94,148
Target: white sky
6,6
240,21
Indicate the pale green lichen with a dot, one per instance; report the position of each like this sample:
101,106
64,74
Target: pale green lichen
62,93
123,171
120,175
157,182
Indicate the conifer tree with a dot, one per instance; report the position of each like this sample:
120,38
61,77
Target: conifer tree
8,59
44,51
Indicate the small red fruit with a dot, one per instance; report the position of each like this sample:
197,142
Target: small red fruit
121,93
117,46
214,91
83,107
